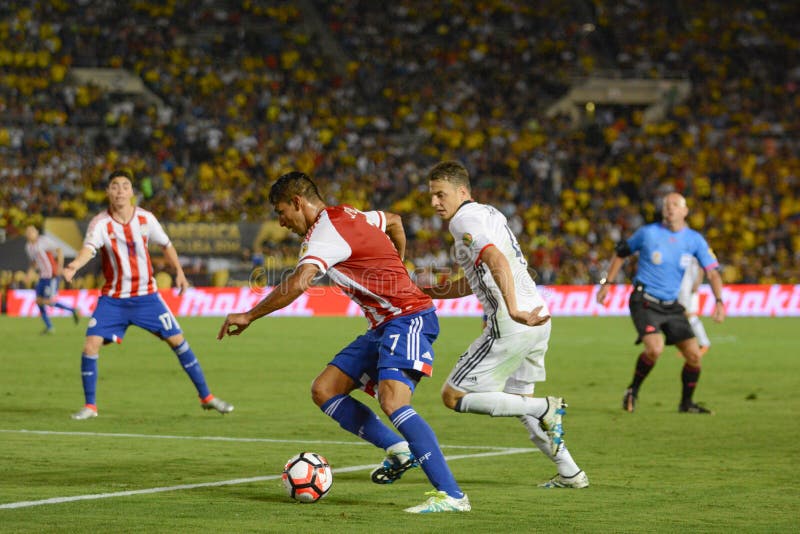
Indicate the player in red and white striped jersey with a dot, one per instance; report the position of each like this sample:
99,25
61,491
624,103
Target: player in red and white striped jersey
361,252
122,235
48,260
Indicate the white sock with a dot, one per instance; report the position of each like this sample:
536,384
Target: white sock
563,459
499,404
699,331
400,446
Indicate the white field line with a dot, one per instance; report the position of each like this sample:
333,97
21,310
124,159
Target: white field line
223,438
60,500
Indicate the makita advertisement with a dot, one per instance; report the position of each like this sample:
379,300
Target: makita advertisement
740,300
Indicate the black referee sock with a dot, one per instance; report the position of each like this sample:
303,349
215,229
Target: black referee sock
643,368
689,376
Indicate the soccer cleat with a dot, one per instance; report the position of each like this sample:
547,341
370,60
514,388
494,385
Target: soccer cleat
694,408
577,481
551,422
217,404
393,467
84,413
629,400
75,317
48,331
439,501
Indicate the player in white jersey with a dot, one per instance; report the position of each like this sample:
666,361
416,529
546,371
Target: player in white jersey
48,260
497,373
690,299
130,296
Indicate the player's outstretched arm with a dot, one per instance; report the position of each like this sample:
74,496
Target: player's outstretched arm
84,255
451,289
280,297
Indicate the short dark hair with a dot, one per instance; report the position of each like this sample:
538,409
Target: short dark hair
292,184
450,171
125,173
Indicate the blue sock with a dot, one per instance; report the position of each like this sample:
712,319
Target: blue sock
423,443
63,307
45,318
89,377
192,367
357,419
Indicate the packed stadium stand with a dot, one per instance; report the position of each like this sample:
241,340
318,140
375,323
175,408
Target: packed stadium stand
208,102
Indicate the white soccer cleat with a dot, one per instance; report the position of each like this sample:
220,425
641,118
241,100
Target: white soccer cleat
84,413
551,423
577,481
439,501
217,404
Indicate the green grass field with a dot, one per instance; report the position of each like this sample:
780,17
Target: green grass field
651,471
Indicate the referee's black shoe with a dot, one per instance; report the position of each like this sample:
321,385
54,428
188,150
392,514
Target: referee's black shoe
629,400
694,408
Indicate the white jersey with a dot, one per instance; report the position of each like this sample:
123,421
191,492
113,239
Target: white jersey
478,226
41,255
126,261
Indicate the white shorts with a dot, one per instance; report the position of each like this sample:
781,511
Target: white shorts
511,364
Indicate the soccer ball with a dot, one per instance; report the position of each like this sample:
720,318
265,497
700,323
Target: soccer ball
307,477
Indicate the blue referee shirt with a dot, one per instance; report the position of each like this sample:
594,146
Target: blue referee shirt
664,255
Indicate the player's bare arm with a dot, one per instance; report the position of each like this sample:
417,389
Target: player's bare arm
501,272
280,297
171,255
452,289
84,255
396,232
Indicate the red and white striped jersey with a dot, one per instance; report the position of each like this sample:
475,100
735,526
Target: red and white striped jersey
352,248
126,262
41,255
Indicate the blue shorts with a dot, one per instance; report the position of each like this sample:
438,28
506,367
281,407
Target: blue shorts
399,349
47,288
112,317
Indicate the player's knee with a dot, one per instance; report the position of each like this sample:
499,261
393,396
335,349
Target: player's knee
450,397
92,346
693,357
321,391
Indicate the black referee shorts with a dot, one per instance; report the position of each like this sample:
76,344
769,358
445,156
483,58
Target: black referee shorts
651,316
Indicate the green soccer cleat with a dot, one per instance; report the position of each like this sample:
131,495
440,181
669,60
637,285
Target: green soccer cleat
439,501
576,481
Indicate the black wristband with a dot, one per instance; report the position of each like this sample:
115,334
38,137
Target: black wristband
719,301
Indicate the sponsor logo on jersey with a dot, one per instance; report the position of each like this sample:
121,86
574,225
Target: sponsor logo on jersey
656,258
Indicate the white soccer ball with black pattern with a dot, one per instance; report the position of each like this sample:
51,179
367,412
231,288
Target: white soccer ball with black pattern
307,477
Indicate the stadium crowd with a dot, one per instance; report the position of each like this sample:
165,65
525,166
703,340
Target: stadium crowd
370,98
